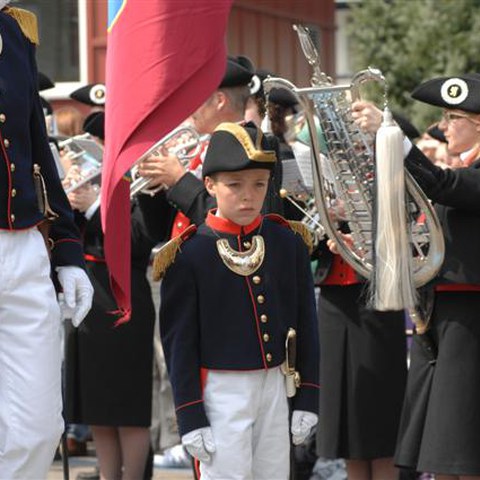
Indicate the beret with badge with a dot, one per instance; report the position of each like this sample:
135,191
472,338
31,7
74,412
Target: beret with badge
92,94
461,92
234,147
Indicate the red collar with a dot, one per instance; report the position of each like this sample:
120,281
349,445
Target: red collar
227,226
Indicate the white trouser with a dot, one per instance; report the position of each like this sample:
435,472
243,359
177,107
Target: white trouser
248,413
30,377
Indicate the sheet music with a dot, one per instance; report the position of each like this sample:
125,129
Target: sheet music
297,171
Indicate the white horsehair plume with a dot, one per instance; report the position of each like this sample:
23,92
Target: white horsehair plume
393,278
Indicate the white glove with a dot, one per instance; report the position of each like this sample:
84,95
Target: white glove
302,424
77,296
199,443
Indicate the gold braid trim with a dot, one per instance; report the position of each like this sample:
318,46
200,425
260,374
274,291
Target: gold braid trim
27,22
306,234
254,152
166,255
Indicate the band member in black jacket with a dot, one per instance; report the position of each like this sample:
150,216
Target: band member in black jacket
109,367
440,429
440,426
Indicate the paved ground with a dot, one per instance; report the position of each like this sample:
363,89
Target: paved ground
87,464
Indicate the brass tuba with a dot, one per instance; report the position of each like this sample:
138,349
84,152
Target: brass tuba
350,176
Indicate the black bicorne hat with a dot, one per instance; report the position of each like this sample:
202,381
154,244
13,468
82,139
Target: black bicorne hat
94,124
461,92
92,94
234,147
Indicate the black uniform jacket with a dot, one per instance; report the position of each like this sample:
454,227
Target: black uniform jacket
213,318
456,195
23,143
142,244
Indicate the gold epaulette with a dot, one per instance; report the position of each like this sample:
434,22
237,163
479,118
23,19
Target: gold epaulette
297,227
27,22
166,255
306,234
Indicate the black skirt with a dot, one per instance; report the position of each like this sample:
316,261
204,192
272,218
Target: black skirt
108,369
440,427
363,372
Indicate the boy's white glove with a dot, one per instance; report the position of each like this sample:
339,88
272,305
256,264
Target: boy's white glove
302,424
199,443
77,297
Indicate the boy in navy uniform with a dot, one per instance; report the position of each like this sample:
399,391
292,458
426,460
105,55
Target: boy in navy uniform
233,292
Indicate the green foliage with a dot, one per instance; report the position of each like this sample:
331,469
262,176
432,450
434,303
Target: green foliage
411,41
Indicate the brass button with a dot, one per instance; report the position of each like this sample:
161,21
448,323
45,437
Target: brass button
12,167
247,244
266,337
12,217
268,356
256,279
6,142
14,192
263,318
179,224
261,299
2,118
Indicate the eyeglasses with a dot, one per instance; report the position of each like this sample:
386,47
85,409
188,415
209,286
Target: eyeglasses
450,117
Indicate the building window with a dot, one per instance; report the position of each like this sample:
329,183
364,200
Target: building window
61,27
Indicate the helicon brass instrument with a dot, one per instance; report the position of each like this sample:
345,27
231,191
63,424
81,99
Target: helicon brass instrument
184,142
347,177
86,154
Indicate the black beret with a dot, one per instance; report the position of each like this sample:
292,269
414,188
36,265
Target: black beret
44,83
92,94
461,92
406,125
233,147
94,124
436,133
239,72
283,97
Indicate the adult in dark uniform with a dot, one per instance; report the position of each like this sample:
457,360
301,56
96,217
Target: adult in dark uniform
30,377
440,427
363,366
362,372
108,367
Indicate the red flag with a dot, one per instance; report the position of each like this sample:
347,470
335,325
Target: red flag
164,59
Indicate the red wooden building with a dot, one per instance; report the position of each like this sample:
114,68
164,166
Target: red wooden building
259,29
